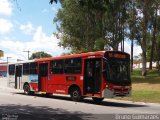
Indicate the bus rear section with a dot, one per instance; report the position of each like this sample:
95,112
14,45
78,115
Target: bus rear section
24,76
15,76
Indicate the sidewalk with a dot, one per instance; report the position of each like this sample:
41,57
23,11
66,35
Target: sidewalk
3,82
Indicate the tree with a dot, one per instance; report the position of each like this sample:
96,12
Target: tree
144,7
90,25
41,54
157,45
116,17
133,31
51,1
154,22
79,26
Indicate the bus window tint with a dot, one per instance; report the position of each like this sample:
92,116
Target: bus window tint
18,70
73,66
11,69
25,68
33,68
56,67
119,70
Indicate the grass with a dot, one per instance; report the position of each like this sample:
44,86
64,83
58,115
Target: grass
145,89
152,77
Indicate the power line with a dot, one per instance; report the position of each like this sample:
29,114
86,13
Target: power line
28,53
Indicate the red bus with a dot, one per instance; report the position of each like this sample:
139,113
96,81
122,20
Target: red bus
98,75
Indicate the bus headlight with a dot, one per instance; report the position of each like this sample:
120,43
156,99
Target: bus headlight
107,86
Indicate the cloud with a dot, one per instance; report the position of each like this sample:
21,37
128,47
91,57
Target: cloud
27,28
40,42
5,26
136,50
13,57
54,9
45,11
46,43
5,7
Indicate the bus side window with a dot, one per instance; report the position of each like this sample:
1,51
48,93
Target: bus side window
25,68
33,68
11,69
73,66
56,67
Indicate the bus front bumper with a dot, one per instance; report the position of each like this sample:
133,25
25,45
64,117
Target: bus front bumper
107,93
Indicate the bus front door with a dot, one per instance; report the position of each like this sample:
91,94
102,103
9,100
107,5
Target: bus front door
18,77
92,76
42,77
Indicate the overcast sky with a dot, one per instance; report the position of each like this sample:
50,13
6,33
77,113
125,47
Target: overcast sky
28,25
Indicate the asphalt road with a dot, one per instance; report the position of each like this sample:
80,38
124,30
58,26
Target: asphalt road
15,105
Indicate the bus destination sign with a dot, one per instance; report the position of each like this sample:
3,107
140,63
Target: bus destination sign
117,55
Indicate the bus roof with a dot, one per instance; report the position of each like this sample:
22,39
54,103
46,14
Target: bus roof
97,53
21,62
101,53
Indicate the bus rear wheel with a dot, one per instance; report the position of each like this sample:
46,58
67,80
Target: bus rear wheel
75,94
27,89
97,100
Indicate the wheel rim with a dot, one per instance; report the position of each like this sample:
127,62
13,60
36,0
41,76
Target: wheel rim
75,94
26,89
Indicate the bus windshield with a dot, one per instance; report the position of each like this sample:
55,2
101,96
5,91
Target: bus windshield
117,71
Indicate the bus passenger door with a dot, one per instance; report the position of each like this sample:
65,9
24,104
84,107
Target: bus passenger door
92,76
43,77
18,77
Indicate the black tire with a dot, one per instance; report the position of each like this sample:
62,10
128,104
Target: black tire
75,94
27,91
97,100
48,95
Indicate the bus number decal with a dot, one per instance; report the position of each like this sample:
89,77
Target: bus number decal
70,78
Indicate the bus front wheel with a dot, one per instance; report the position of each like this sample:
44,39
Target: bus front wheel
75,94
97,99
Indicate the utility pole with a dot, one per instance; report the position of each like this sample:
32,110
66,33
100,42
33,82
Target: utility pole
28,53
8,60
7,65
